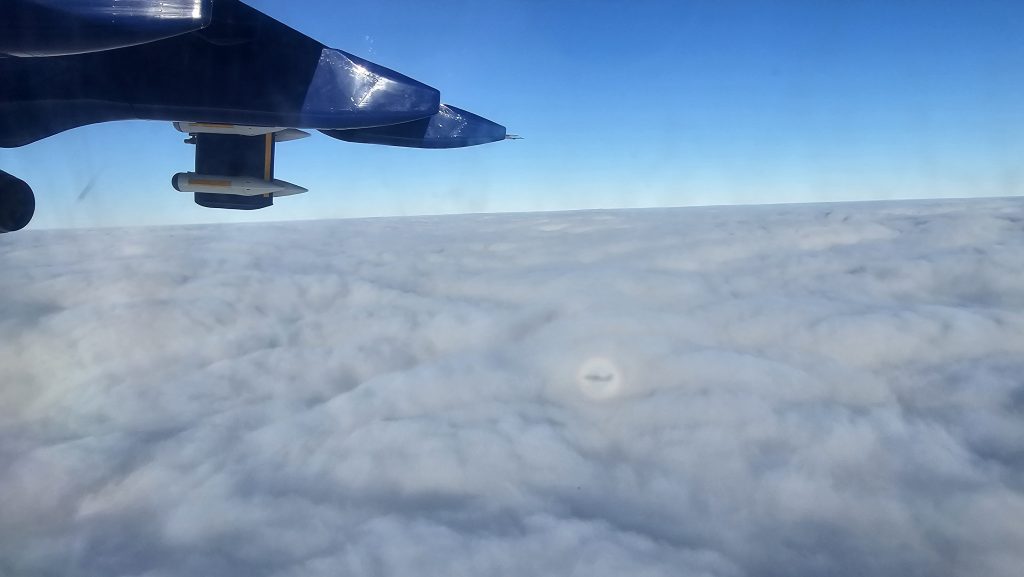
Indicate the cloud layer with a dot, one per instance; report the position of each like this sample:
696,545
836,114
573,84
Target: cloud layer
785,390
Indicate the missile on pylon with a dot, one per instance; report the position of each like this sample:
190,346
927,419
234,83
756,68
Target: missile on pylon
234,185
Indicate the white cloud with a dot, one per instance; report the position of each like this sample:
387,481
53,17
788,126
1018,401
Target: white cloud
786,390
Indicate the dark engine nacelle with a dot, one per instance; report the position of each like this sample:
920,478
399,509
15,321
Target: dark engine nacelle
17,203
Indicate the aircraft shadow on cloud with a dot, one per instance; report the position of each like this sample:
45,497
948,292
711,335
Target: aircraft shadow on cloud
235,80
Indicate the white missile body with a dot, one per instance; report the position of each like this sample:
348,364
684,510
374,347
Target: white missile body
290,134
280,134
236,185
214,128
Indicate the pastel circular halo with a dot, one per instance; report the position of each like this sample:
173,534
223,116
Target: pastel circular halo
600,378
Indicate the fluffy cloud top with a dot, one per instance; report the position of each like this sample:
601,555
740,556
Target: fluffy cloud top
786,390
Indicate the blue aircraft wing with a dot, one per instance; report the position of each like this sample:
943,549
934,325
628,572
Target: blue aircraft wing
238,79
243,68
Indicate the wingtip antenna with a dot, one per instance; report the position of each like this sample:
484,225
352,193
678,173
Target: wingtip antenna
513,137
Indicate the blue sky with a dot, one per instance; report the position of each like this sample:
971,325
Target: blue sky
623,104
